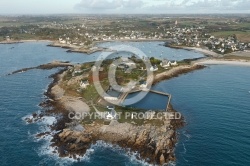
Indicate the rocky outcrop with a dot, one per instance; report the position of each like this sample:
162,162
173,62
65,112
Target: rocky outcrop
175,72
47,66
153,143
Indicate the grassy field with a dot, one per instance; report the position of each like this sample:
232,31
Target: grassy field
237,56
243,36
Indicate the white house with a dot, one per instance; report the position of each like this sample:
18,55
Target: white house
153,68
84,84
8,38
111,115
130,63
110,107
174,63
143,84
165,63
93,68
77,71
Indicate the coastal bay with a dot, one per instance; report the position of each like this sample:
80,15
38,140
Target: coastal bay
176,106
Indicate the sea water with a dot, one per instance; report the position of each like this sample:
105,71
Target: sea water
214,101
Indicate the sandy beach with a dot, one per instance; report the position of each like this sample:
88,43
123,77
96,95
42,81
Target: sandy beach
23,41
222,62
202,50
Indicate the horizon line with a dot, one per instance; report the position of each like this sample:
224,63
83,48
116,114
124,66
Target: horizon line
40,14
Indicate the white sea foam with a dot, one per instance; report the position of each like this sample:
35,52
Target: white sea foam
171,163
184,147
133,156
51,154
185,159
188,136
48,120
27,117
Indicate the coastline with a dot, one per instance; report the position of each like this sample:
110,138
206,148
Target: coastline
177,71
79,49
154,144
48,66
23,41
222,62
69,136
94,48
76,139
204,51
132,40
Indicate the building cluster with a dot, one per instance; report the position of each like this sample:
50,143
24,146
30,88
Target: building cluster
88,30
86,39
196,37
191,37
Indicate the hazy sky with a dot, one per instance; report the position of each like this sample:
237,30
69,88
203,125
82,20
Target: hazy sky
123,6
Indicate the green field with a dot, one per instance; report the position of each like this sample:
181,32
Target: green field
243,36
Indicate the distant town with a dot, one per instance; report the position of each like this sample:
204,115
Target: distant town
218,33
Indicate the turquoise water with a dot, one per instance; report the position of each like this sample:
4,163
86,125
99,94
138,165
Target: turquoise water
215,102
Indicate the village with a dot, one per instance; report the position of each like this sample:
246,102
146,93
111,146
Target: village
181,37
196,37
83,33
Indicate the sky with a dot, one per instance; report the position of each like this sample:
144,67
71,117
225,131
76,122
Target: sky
123,6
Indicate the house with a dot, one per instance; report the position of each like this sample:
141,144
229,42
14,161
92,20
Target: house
153,68
174,63
7,38
143,84
93,68
111,115
131,64
110,107
198,44
165,63
78,71
84,84
62,41
123,66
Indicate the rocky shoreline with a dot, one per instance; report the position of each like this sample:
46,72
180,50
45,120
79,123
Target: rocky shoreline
203,50
10,42
175,72
47,66
154,144
78,49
